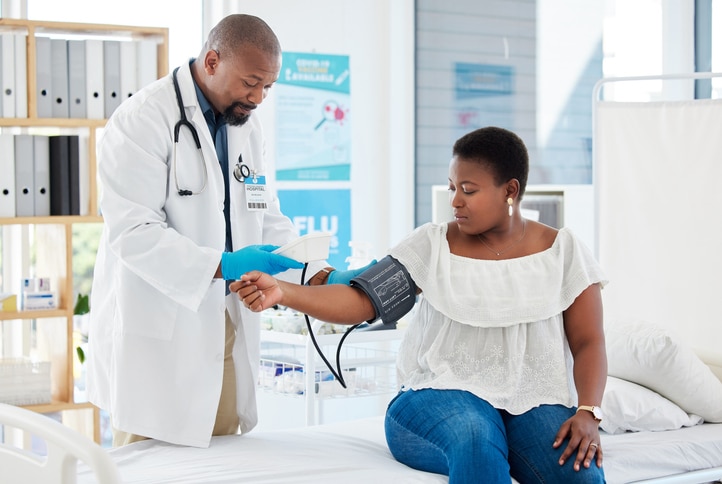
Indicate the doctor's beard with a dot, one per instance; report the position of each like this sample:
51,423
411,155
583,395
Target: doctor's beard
233,119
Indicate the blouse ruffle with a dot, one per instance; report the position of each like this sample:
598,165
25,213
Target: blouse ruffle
497,293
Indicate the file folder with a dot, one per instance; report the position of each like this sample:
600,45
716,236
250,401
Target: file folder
128,83
59,175
21,76
7,75
77,106
94,93
147,61
111,75
59,77
84,176
74,174
7,172
43,77
24,169
41,183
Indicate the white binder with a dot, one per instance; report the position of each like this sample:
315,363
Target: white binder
59,77
77,106
43,77
94,79
147,60
21,76
24,169
111,75
128,79
7,75
41,180
7,180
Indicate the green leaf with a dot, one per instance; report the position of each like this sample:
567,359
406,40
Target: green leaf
82,305
81,354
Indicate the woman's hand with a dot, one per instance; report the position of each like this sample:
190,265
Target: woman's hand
257,290
583,434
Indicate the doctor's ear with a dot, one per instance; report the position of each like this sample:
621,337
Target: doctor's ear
210,61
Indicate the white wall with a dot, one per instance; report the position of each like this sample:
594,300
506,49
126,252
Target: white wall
378,37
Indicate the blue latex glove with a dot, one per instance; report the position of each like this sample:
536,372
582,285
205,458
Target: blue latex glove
344,277
255,258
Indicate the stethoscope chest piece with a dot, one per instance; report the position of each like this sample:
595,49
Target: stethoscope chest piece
241,171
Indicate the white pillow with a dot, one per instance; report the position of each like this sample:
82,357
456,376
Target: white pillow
628,406
646,354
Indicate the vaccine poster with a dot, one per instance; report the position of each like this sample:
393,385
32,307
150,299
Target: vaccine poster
322,210
313,119
483,96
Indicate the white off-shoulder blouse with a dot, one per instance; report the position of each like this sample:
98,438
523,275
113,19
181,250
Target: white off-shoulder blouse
493,328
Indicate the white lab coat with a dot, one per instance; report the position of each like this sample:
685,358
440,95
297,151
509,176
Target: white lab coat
157,314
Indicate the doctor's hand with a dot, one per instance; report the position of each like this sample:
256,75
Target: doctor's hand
257,290
255,257
344,277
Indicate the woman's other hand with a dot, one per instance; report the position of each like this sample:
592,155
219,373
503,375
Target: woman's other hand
582,433
257,290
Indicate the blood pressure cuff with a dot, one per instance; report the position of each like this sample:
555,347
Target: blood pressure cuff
389,287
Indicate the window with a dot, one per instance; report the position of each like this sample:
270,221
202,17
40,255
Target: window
717,47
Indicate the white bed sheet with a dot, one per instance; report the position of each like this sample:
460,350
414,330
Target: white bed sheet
355,452
636,456
349,452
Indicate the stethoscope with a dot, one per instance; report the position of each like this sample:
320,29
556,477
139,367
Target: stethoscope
240,171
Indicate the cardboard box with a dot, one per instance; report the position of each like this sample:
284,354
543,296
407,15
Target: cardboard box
39,300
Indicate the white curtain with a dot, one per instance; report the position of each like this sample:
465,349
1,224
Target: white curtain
658,169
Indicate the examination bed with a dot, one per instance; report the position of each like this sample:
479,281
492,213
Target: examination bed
650,438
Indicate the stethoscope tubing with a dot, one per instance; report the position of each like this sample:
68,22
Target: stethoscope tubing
240,172
183,121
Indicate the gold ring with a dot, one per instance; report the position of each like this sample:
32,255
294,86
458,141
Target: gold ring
593,445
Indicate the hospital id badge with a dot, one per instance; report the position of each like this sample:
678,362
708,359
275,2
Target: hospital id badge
256,194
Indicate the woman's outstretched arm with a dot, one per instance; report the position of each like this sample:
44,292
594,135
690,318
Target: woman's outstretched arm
333,303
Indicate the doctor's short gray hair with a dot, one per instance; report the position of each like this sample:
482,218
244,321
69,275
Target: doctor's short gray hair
238,30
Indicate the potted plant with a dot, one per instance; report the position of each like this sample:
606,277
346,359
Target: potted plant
80,322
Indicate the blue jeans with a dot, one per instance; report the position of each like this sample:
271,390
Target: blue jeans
456,433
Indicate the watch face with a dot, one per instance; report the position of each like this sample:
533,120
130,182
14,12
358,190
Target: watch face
597,412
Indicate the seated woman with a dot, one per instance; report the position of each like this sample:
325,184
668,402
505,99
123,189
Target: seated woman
503,367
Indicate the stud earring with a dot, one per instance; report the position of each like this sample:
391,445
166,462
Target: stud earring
510,201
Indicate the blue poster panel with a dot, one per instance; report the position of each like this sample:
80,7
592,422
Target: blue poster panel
483,97
313,129
322,211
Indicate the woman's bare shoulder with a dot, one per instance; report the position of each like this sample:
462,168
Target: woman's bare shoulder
542,236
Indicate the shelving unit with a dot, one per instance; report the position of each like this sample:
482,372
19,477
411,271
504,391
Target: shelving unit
53,235
290,365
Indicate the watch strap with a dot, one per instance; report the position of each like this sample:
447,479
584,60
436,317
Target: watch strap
591,409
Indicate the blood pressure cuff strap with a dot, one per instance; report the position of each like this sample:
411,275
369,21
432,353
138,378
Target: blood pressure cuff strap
389,287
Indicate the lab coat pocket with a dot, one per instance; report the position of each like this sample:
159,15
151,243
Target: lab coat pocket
143,310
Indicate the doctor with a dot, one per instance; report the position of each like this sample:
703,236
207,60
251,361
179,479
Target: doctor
188,204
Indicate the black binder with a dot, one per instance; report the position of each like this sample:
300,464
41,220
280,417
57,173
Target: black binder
59,176
64,175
